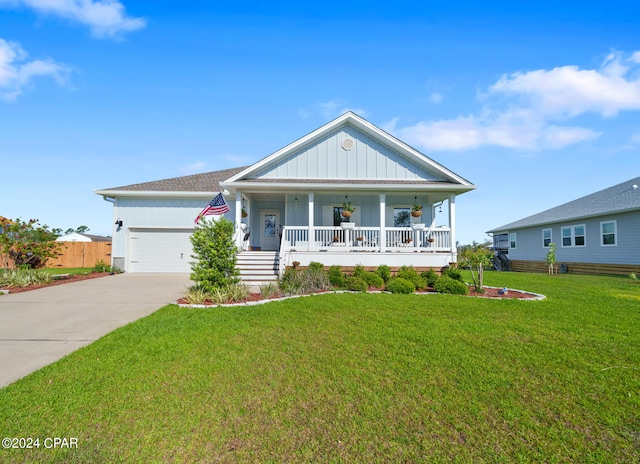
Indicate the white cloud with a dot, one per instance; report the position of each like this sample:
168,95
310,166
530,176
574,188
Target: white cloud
522,109
104,17
435,97
16,73
568,91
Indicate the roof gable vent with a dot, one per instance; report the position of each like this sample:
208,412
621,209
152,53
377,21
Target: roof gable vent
347,144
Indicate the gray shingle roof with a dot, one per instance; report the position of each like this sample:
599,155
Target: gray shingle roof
619,198
206,182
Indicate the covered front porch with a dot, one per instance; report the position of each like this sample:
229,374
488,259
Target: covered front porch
307,227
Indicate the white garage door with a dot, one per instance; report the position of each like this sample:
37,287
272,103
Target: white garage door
159,250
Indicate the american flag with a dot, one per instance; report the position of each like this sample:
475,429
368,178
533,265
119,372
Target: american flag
216,207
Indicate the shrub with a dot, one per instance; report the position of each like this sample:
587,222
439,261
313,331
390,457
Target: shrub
355,284
430,277
269,290
27,243
358,270
452,273
336,278
295,282
232,293
316,266
315,279
400,285
196,295
101,266
23,277
410,274
290,282
215,254
219,295
384,271
373,279
237,292
446,284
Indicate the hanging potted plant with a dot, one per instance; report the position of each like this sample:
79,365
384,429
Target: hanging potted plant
347,209
416,210
244,213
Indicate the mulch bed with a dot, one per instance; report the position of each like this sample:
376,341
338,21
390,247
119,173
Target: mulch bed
488,293
63,280
493,293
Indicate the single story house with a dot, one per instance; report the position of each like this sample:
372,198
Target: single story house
76,237
598,233
290,204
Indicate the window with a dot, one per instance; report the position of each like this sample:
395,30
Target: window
546,237
608,230
573,236
401,217
512,240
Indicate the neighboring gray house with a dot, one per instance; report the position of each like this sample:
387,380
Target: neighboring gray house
598,233
294,202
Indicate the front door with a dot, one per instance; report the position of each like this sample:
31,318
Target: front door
269,229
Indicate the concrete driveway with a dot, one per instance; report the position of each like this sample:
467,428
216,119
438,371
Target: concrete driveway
41,326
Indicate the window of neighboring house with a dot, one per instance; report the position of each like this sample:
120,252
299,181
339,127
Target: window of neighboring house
512,240
573,236
401,217
608,232
546,237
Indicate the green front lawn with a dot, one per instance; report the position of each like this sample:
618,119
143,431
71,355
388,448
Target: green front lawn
353,378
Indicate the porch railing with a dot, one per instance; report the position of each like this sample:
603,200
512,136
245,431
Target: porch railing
398,239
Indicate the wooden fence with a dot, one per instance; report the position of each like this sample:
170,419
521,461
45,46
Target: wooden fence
81,254
576,268
75,254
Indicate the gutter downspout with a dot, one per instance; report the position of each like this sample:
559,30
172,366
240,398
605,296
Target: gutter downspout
112,200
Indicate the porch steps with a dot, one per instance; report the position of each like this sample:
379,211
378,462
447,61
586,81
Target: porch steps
258,268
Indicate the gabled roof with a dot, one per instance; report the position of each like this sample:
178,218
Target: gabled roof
445,177
208,182
442,179
617,199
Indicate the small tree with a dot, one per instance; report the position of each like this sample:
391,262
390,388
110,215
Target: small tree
475,256
79,230
551,257
27,243
215,253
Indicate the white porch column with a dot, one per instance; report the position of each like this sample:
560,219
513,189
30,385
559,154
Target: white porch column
238,220
383,228
452,226
312,235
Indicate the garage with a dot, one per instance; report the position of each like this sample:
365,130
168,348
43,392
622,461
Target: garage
160,250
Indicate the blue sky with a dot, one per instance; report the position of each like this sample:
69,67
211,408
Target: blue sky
536,104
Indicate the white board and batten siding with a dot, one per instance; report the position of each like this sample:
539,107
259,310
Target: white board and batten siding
155,233
326,159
